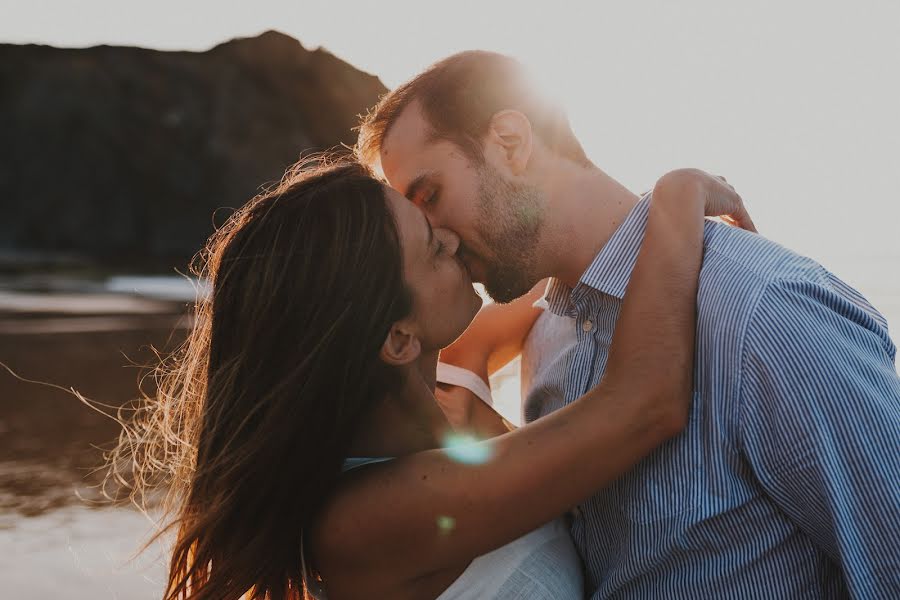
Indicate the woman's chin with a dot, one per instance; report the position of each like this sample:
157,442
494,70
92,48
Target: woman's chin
464,323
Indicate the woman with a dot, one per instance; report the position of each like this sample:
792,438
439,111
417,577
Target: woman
330,299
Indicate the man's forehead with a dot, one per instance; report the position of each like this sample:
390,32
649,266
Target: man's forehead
410,130
404,143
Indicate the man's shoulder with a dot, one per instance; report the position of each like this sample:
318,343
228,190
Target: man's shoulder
757,259
747,278
739,269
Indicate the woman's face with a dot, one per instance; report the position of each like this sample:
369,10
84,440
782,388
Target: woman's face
444,301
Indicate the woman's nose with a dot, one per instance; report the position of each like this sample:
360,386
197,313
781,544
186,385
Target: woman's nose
449,238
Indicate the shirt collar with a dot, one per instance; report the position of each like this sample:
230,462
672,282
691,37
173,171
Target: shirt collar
611,268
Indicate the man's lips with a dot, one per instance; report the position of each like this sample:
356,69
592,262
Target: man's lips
472,269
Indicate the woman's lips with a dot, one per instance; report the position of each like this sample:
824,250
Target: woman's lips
464,267
464,257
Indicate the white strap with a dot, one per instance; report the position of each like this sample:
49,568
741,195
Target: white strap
454,375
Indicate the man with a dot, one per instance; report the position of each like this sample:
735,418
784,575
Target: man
785,482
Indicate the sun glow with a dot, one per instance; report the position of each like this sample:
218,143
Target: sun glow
467,449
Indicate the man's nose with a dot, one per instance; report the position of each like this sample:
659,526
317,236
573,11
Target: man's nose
449,238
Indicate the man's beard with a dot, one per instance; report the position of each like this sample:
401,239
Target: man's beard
510,216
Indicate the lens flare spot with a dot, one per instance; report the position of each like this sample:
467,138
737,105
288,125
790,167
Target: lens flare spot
466,449
445,524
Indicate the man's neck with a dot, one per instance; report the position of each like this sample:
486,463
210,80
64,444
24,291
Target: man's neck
586,208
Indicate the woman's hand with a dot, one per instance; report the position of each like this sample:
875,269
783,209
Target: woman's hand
719,197
467,413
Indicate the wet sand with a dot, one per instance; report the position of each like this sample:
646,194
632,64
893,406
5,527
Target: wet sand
50,439
67,540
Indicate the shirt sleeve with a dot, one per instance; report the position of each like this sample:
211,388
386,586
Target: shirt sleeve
820,426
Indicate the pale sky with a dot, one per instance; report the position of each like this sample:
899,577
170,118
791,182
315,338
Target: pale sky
796,103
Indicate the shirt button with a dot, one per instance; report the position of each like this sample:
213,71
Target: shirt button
587,325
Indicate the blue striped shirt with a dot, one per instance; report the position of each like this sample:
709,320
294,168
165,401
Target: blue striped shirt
786,481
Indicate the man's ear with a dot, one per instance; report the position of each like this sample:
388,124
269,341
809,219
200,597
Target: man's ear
511,132
401,346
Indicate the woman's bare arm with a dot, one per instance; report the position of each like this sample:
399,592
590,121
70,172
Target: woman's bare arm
386,523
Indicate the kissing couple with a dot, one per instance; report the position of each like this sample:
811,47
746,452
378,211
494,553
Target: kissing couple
708,414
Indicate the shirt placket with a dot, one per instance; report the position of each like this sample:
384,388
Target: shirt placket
582,368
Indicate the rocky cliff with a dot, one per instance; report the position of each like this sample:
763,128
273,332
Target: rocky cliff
124,155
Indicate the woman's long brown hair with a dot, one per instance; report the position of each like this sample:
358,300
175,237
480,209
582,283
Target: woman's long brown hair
256,411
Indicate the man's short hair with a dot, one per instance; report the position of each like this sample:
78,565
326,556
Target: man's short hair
459,95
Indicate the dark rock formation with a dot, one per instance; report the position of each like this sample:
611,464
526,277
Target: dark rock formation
124,154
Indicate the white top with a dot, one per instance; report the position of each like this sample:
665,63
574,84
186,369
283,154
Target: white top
541,565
